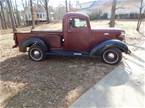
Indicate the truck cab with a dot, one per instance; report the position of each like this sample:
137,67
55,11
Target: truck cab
77,38
77,32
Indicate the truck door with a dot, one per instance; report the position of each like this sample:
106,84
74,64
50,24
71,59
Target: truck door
77,36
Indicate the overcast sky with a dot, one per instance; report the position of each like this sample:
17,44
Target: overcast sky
53,3
63,1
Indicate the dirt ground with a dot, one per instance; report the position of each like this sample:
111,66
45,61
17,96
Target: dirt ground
55,82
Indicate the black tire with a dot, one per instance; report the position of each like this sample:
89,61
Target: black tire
36,53
112,56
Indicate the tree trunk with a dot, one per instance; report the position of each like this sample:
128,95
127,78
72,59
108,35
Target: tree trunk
13,13
17,14
32,14
24,16
15,19
140,16
139,24
66,5
11,16
46,8
3,20
8,18
113,11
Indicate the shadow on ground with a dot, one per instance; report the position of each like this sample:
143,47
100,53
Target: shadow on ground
56,82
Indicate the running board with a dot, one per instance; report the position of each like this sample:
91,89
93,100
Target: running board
67,53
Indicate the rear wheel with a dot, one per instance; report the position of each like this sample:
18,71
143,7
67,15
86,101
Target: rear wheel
112,56
36,53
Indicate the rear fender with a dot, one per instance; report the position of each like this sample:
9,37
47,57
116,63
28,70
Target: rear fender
28,42
97,51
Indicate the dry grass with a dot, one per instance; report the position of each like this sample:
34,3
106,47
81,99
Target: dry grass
56,82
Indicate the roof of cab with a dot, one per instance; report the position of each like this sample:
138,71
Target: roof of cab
75,14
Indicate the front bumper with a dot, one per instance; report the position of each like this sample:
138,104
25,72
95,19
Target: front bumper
128,52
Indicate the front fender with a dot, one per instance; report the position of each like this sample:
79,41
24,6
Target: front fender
97,50
28,42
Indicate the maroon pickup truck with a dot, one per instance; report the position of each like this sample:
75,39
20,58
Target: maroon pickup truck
77,38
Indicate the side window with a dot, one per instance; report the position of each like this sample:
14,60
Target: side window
78,23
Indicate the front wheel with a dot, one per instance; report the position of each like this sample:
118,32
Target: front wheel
36,53
112,56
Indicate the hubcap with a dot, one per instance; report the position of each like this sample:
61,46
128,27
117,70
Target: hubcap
36,53
111,55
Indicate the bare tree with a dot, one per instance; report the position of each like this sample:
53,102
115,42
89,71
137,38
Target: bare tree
1,22
44,3
24,17
59,12
11,15
32,14
141,15
2,16
46,9
113,11
66,5
17,14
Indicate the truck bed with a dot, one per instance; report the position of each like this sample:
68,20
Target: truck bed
53,38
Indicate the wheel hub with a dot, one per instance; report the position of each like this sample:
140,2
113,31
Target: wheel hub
111,55
36,53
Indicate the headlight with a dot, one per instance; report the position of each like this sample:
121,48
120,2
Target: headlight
122,35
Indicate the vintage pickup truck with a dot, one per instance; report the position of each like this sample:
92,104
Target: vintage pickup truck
77,38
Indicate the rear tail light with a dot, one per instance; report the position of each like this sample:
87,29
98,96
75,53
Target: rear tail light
15,39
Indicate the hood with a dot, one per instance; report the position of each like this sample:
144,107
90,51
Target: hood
109,33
